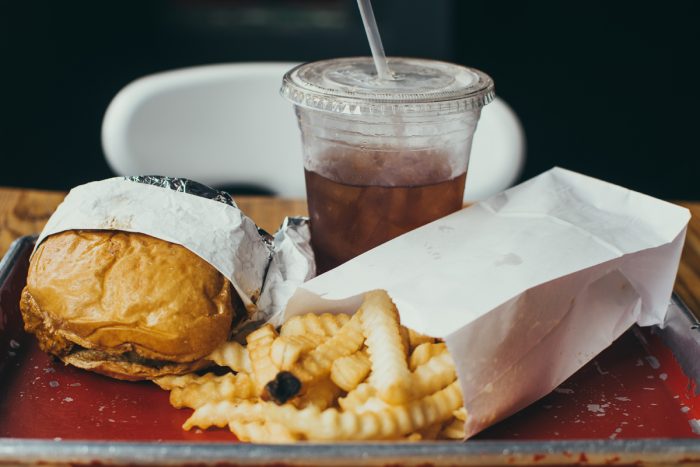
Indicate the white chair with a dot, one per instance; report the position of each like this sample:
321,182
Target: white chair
228,125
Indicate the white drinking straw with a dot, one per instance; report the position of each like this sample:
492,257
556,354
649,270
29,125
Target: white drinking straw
375,42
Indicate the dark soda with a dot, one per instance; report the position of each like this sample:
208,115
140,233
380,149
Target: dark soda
349,219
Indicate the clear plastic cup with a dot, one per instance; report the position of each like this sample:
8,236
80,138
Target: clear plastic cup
382,157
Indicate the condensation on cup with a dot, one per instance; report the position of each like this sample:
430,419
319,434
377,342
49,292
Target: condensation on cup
382,157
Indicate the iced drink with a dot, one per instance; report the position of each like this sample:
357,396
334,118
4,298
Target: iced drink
382,157
349,217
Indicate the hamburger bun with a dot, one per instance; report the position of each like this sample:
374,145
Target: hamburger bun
125,304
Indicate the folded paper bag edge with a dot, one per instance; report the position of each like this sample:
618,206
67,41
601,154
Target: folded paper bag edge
590,193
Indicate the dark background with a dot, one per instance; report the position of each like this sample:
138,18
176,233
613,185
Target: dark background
607,88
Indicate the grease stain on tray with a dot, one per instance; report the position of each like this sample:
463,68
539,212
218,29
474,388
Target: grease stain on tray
596,408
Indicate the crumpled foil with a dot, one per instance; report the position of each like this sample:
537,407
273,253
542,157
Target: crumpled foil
292,264
185,185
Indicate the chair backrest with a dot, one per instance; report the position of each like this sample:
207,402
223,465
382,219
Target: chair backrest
228,125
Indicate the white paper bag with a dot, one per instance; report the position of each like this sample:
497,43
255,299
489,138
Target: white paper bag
525,287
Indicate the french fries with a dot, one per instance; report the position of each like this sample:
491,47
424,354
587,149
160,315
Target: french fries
317,363
357,397
233,355
380,325
424,352
286,350
329,377
326,324
349,371
217,388
259,345
261,432
392,422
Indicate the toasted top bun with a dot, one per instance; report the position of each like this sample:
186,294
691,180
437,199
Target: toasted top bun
125,294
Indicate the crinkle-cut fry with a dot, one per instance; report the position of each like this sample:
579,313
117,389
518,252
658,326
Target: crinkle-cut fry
261,432
233,355
380,324
225,387
259,345
433,375
211,414
415,338
453,429
442,370
349,371
325,324
331,323
357,397
373,404
424,352
460,414
286,350
317,363
169,382
322,394
331,424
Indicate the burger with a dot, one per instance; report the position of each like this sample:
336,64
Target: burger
125,304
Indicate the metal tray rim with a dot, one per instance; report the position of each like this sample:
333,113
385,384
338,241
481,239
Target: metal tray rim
148,453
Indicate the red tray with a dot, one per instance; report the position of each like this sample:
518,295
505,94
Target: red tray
633,402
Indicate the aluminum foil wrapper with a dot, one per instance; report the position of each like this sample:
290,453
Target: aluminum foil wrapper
185,185
292,264
264,270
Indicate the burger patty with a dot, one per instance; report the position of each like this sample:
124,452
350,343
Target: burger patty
100,355
128,365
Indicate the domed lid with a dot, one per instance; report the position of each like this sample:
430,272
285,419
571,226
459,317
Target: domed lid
419,86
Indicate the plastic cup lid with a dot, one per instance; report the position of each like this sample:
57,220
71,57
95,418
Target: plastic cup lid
351,86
